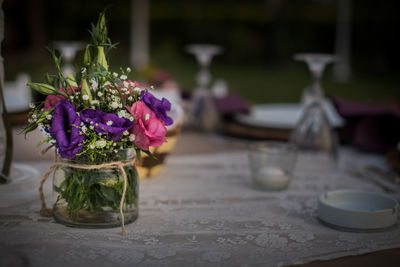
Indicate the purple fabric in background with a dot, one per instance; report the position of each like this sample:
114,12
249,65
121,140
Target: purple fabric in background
231,104
371,127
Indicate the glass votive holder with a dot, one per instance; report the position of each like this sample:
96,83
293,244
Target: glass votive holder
271,164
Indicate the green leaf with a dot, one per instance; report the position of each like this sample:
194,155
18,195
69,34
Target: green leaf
108,193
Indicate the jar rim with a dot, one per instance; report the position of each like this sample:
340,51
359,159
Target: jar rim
124,155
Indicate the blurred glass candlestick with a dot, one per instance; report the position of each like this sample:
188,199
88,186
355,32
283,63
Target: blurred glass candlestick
204,54
203,113
68,50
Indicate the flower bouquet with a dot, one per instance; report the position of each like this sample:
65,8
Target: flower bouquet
100,122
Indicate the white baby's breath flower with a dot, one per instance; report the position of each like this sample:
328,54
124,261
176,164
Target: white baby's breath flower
107,83
128,69
137,89
120,105
91,146
130,98
114,105
85,97
100,94
48,117
114,144
31,105
94,84
71,97
121,113
33,116
30,120
115,75
132,137
147,116
109,123
83,70
91,127
94,102
126,133
131,118
101,143
123,77
151,87
84,129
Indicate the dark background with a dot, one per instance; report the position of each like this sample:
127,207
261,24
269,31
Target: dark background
259,38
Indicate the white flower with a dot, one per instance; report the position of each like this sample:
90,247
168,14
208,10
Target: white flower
96,124
94,102
107,83
85,97
101,143
114,105
91,146
123,77
126,133
131,118
91,127
30,120
130,98
100,94
83,70
115,75
132,137
121,113
71,97
33,116
137,89
114,144
84,129
31,105
48,117
109,123
94,83
128,69
151,87
147,116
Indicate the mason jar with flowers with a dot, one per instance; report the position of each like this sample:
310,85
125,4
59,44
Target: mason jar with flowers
100,122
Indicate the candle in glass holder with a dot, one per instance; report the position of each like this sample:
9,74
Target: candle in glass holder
271,165
271,177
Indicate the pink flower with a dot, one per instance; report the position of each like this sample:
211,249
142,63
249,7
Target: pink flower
52,100
147,128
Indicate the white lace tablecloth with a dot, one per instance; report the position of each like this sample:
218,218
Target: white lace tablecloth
201,211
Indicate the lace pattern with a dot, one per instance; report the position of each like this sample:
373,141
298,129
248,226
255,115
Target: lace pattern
201,211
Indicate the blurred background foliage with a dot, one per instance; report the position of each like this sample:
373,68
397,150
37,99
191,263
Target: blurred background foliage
259,38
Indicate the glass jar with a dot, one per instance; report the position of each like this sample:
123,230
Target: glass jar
90,198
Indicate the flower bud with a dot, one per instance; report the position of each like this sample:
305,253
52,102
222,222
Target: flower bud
87,58
101,58
44,89
86,91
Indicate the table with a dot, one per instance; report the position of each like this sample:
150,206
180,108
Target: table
202,211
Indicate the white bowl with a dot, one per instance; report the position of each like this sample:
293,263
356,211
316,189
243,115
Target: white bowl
358,211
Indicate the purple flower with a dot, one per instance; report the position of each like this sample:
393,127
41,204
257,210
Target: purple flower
64,128
160,107
106,123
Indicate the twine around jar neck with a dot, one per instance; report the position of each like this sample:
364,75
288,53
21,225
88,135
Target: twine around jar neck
46,212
